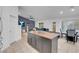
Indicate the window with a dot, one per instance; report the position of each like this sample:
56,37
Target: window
76,25
41,25
70,24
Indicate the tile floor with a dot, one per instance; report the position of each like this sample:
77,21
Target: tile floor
64,47
23,47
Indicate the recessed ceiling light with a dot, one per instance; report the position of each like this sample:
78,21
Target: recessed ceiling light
61,12
72,8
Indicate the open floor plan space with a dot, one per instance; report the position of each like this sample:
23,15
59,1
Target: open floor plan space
39,29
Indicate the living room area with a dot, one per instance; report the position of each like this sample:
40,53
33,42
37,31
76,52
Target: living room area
45,29
57,19
39,29
62,20
70,36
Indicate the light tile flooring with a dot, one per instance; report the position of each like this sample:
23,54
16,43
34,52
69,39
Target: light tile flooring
23,47
64,47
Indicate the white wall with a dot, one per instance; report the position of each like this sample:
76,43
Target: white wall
48,24
48,15
11,31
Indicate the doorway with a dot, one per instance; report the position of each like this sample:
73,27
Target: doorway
54,26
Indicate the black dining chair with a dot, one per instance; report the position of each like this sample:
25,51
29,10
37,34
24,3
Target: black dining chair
71,35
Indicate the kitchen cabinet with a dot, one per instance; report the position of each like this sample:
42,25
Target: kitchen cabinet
30,38
46,44
33,42
43,44
39,43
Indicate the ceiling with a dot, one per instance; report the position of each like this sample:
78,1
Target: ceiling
48,12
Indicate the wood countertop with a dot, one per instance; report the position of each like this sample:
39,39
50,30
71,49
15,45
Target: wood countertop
44,34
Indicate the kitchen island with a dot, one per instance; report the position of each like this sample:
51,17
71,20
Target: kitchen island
44,42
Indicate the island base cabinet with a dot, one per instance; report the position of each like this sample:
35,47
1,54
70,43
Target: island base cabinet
46,45
54,45
29,38
39,44
42,44
33,41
